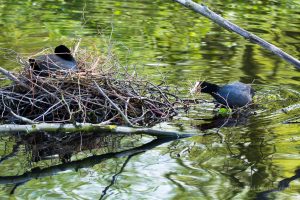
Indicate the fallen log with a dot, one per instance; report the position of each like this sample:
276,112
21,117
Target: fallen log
88,127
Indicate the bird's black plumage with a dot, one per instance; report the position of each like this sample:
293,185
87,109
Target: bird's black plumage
234,94
62,59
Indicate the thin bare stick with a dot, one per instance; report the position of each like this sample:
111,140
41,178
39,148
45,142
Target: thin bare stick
206,12
76,47
24,119
11,77
113,104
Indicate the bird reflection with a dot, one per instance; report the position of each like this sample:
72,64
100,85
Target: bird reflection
282,185
220,121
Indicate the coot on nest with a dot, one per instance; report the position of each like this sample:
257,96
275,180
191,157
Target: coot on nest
62,59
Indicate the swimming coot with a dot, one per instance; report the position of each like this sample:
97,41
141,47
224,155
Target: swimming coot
234,94
62,59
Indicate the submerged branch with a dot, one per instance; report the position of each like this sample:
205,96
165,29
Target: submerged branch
87,127
206,12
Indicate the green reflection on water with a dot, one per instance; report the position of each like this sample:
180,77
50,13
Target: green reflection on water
161,37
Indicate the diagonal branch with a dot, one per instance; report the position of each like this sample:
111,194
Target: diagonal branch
113,104
11,77
206,12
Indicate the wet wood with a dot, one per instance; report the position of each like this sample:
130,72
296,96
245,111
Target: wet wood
87,127
205,11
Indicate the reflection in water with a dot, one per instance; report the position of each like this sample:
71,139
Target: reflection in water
282,185
256,150
219,121
44,145
249,66
77,141
114,177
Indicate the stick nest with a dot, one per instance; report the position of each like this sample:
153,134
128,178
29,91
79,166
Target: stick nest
69,97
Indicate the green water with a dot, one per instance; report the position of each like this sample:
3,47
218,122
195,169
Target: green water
163,38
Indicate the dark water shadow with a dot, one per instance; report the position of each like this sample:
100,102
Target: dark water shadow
218,121
282,185
44,146
88,162
114,177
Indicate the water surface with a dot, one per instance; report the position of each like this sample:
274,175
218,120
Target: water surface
162,38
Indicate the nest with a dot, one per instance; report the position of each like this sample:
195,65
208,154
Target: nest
101,91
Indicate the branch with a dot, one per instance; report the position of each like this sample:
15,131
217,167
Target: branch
87,127
23,119
113,104
206,12
11,77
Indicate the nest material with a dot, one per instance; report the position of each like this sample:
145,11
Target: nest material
75,96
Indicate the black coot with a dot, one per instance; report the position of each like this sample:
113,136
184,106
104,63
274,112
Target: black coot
234,94
62,59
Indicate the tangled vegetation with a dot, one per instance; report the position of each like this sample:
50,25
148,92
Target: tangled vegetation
101,91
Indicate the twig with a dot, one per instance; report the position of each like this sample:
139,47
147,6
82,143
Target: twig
76,47
11,77
24,119
113,104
